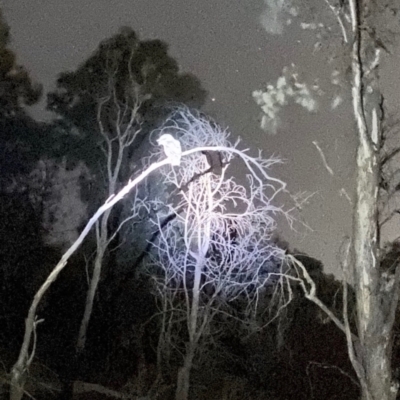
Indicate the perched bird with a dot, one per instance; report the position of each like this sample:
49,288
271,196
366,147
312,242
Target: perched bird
214,161
172,148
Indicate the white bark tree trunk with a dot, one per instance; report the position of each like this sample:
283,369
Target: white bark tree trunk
194,330
94,282
376,301
374,327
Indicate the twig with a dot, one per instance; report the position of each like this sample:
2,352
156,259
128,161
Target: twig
321,153
340,20
335,367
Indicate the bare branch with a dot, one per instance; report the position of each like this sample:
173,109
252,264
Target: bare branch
339,19
311,292
321,153
335,367
342,191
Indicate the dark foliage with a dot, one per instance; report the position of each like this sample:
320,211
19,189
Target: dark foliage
129,70
26,261
16,87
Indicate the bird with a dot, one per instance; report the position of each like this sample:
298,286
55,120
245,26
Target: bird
214,161
172,148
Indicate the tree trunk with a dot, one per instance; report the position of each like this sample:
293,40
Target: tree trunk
374,322
183,382
378,370
376,296
94,282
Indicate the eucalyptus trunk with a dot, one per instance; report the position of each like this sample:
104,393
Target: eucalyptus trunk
374,302
102,243
376,293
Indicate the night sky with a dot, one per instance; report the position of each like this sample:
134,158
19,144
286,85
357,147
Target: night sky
226,46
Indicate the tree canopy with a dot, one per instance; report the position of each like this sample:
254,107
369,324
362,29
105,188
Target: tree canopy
16,87
135,68
19,133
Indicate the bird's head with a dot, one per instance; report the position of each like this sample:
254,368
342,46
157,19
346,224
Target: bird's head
165,139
